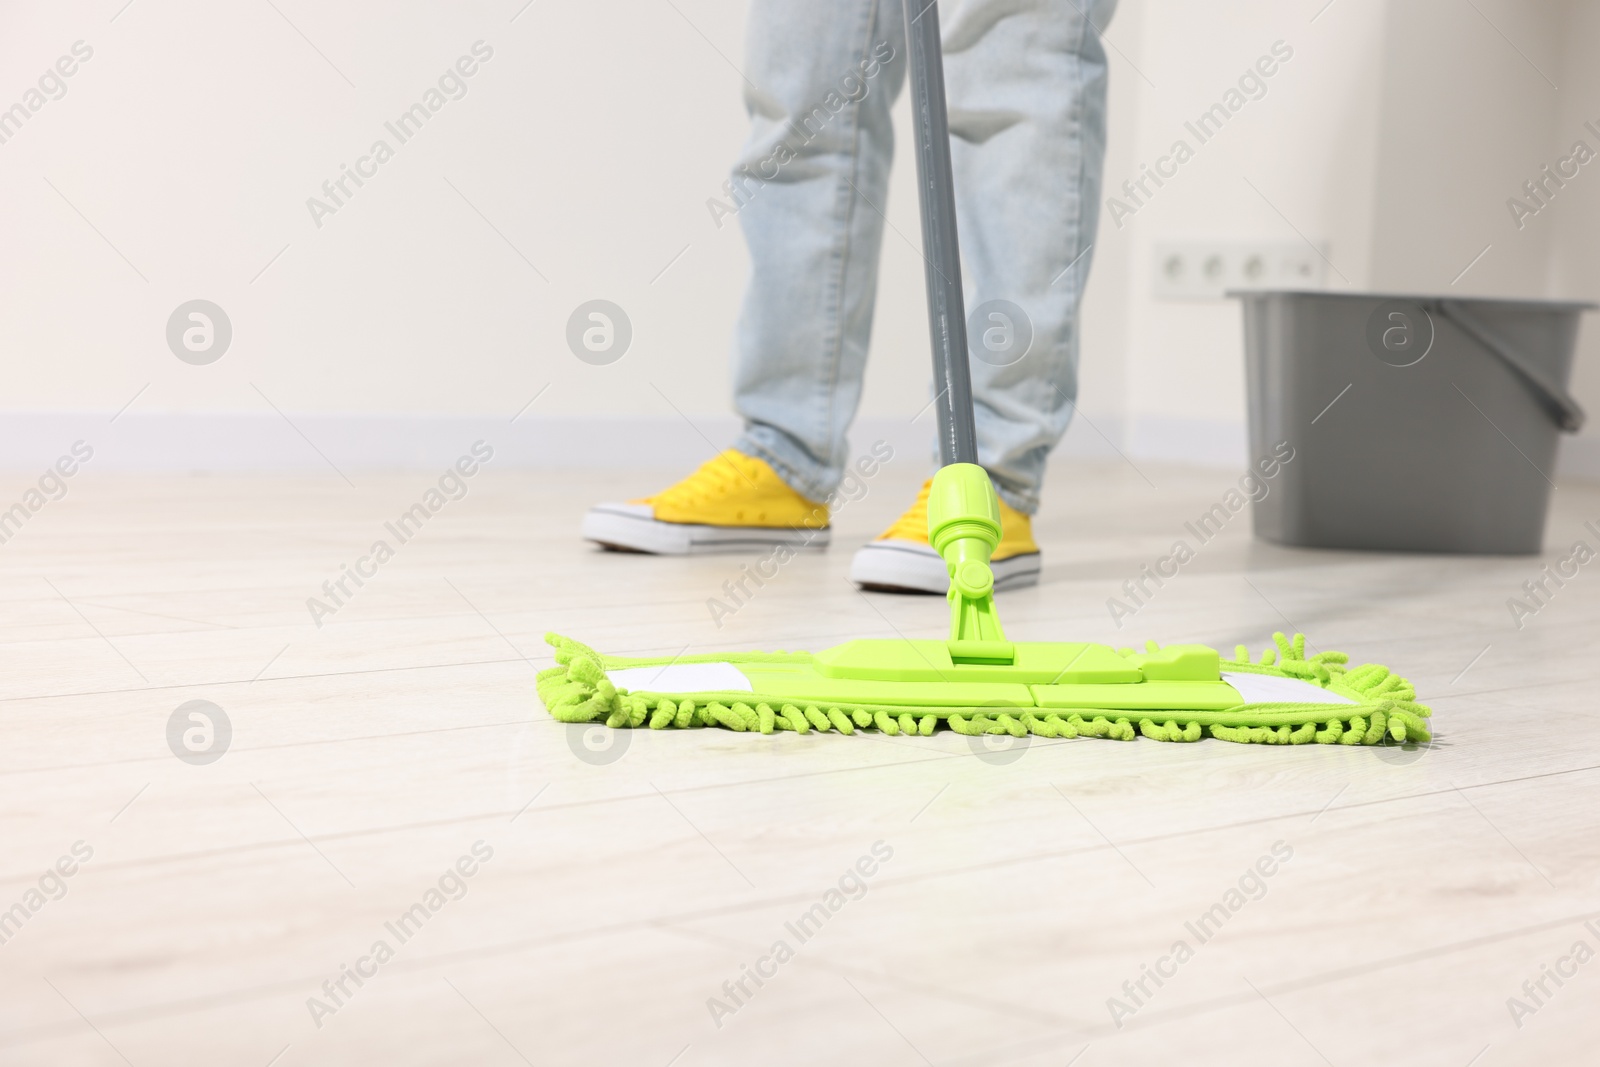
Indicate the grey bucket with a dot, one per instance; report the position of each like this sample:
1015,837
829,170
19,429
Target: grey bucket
1424,424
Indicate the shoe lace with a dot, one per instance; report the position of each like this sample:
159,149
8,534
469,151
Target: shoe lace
913,525
712,479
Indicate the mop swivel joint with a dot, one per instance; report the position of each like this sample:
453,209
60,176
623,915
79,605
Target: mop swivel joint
964,528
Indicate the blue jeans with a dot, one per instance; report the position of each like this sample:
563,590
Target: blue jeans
1027,97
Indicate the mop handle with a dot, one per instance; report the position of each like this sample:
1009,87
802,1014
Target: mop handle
947,319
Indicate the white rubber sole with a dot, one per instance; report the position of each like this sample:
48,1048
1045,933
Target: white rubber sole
911,567
634,528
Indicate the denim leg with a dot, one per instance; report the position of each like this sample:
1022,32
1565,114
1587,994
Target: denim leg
1027,96
808,189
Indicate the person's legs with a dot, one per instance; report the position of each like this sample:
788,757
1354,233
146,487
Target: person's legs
1026,87
810,186
1027,98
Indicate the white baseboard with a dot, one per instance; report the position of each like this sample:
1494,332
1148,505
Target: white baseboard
1201,442
255,441
305,441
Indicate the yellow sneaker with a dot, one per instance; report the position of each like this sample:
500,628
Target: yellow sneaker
733,502
902,561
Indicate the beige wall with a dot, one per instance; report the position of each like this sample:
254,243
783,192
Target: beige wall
197,132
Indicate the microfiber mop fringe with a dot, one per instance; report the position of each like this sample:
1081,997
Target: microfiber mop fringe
576,690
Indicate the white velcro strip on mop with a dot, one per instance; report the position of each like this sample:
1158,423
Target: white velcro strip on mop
1270,689
682,678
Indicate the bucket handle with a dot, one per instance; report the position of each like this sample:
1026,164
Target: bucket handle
1555,399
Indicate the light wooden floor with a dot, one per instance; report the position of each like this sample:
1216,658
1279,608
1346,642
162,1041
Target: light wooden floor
1024,888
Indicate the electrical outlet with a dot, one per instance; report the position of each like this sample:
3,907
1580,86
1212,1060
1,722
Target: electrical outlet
1207,270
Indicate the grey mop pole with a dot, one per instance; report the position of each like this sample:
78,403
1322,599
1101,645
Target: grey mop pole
947,319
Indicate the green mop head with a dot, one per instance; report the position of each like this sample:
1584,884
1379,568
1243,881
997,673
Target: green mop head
977,682
1315,699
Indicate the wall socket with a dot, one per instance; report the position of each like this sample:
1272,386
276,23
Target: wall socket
1206,270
